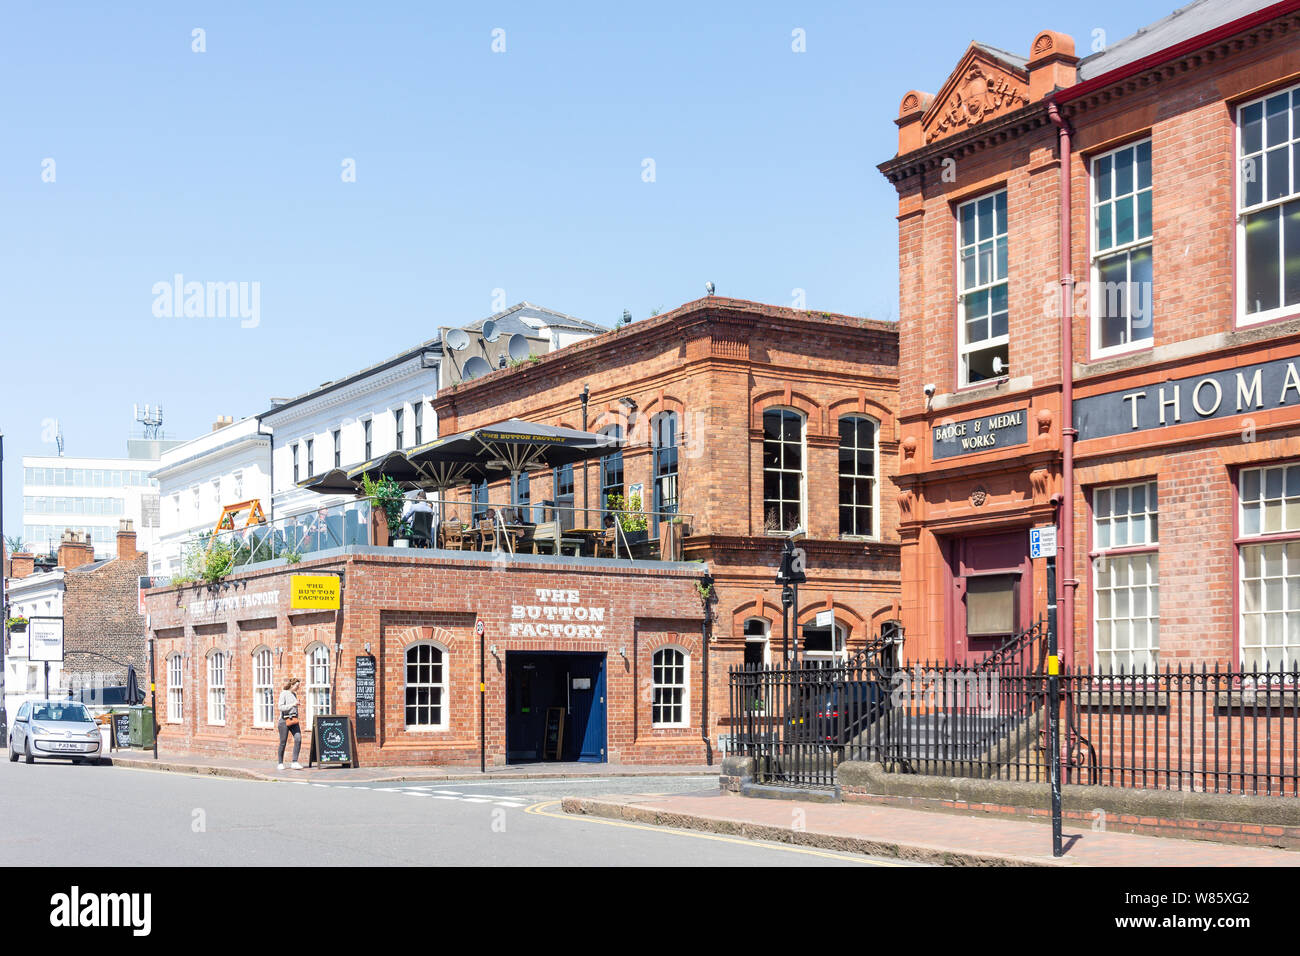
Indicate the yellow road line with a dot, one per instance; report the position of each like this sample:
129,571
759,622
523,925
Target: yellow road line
539,809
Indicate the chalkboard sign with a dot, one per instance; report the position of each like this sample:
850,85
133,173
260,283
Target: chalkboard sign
553,744
122,730
365,706
332,741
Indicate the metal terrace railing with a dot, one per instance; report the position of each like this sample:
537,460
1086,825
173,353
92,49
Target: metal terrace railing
543,527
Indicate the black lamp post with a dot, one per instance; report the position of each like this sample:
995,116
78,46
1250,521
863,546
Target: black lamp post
584,398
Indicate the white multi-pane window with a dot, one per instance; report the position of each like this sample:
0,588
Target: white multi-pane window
1270,568
857,476
1126,579
782,469
982,286
1121,246
669,706
263,689
216,688
175,690
1268,206
318,683
426,688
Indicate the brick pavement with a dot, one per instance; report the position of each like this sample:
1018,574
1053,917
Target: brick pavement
917,834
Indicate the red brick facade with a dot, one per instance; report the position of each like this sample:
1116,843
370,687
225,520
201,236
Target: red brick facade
719,364
1186,102
392,602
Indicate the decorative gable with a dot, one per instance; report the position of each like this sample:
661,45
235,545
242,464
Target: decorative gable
982,86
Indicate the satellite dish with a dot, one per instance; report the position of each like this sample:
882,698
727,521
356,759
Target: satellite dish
490,333
708,287
999,366
519,348
457,340
476,367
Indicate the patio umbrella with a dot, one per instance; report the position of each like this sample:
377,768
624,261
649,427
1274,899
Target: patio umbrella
518,446
133,694
393,465
333,482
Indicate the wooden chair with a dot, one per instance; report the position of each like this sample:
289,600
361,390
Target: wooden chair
607,543
454,535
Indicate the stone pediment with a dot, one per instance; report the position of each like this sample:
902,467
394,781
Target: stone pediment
983,86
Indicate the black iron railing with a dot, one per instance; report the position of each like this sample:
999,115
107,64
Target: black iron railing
1198,729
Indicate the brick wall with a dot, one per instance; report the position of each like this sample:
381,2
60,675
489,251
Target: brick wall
100,614
392,603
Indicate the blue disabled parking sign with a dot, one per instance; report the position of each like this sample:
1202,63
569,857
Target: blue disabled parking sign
1042,542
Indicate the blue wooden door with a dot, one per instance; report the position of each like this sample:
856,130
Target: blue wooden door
587,680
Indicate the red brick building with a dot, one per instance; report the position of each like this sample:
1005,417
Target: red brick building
224,653
745,421
772,418
1145,198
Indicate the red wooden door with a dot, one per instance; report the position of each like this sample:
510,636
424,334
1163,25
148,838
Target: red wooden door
991,595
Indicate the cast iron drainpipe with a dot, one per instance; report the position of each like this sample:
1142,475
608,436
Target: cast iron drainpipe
706,581
1067,584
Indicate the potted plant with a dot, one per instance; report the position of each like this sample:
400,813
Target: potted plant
629,516
17,624
386,501
402,535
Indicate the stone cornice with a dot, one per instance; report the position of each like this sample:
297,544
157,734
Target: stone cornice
412,368
729,323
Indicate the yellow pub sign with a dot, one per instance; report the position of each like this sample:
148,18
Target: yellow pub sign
314,592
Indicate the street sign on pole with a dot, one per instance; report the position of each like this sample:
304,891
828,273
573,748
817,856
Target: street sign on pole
45,639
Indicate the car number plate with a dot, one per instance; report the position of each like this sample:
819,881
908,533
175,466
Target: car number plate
65,745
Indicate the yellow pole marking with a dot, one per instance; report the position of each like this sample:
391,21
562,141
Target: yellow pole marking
539,809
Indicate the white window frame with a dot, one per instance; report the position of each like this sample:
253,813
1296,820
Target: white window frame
1243,318
964,347
263,687
1109,557
765,639
318,691
1127,249
175,689
217,688
1284,542
803,471
443,687
874,477
656,686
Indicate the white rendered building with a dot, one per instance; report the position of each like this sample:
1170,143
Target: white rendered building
199,478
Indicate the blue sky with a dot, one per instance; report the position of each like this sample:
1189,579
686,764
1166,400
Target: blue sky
475,171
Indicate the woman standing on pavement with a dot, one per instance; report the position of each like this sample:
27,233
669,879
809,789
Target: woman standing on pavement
289,723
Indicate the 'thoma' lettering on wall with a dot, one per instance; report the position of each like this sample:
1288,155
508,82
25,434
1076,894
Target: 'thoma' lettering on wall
1175,402
558,613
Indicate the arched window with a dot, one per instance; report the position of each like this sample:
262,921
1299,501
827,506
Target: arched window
263,688
611,469
664,430
175,690
426,688
782,469
757,646
670,703
318,682
828,644
217,687
857,476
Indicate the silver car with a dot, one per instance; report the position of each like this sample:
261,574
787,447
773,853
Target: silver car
54,728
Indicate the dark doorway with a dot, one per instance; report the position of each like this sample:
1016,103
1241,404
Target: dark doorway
538,681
